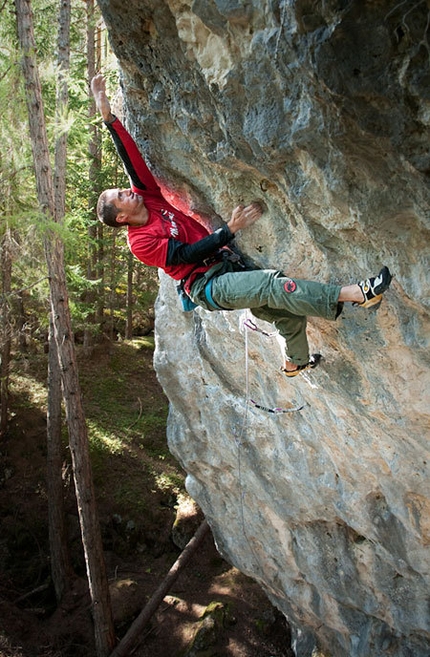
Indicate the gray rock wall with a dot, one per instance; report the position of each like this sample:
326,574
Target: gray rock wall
322,110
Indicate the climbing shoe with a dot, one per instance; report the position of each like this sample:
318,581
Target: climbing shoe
373,288
314,360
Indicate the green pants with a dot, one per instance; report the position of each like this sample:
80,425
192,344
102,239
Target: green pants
272,296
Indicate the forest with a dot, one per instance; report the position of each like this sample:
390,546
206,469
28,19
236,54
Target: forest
106,295
63,282
87,485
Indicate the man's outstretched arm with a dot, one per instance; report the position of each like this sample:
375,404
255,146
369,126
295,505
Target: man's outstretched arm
137,170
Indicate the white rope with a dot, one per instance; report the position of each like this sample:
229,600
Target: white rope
239,440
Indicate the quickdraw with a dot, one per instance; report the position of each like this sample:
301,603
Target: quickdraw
248,323
276,411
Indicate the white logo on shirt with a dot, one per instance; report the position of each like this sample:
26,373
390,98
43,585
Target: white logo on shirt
174,230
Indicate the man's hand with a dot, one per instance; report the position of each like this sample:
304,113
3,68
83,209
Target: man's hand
243,217
98,87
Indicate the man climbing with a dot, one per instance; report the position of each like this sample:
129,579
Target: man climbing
211,275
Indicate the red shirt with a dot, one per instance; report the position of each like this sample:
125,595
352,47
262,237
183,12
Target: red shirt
149,243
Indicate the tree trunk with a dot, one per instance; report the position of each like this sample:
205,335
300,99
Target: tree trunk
62,99
5,330
112,295
129,322
20,321
91,538
61,569
94,146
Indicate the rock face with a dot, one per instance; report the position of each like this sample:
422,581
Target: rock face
322,110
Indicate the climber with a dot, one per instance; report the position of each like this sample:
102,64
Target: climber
211,274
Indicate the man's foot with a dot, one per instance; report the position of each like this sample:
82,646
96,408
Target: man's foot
313,362
373,288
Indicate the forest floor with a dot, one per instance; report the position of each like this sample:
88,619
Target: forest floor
139,487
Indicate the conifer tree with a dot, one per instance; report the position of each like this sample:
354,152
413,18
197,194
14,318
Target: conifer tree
78,438
61,568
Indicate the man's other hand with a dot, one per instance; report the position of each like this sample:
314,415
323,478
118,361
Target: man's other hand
98,87
245,216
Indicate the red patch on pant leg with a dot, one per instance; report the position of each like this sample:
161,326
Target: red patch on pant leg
290,286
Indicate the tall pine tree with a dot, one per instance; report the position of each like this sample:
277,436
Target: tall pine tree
78,438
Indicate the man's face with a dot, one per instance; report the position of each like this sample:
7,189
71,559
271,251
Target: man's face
126,201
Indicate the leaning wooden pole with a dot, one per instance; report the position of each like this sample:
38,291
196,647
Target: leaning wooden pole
128,642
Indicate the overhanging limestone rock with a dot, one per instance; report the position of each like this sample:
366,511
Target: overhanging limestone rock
321,110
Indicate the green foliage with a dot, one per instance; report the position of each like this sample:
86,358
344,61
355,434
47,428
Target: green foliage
83,239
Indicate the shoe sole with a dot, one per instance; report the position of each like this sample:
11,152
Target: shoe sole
315,359
376,301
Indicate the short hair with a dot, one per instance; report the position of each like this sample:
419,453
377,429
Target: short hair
107,212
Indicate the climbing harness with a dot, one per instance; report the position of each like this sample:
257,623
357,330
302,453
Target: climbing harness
209,298
186,304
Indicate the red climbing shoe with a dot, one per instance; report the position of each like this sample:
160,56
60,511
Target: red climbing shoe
314,360
373,288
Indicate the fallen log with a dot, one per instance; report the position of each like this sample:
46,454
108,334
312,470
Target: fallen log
127,643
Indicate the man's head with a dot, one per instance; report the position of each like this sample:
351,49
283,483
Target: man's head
121,207
107,212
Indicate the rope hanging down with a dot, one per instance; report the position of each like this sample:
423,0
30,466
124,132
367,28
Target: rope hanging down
250,325
241,437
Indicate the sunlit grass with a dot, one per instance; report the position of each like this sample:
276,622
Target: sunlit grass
101,440
35,391
143,342
126,414
169,481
